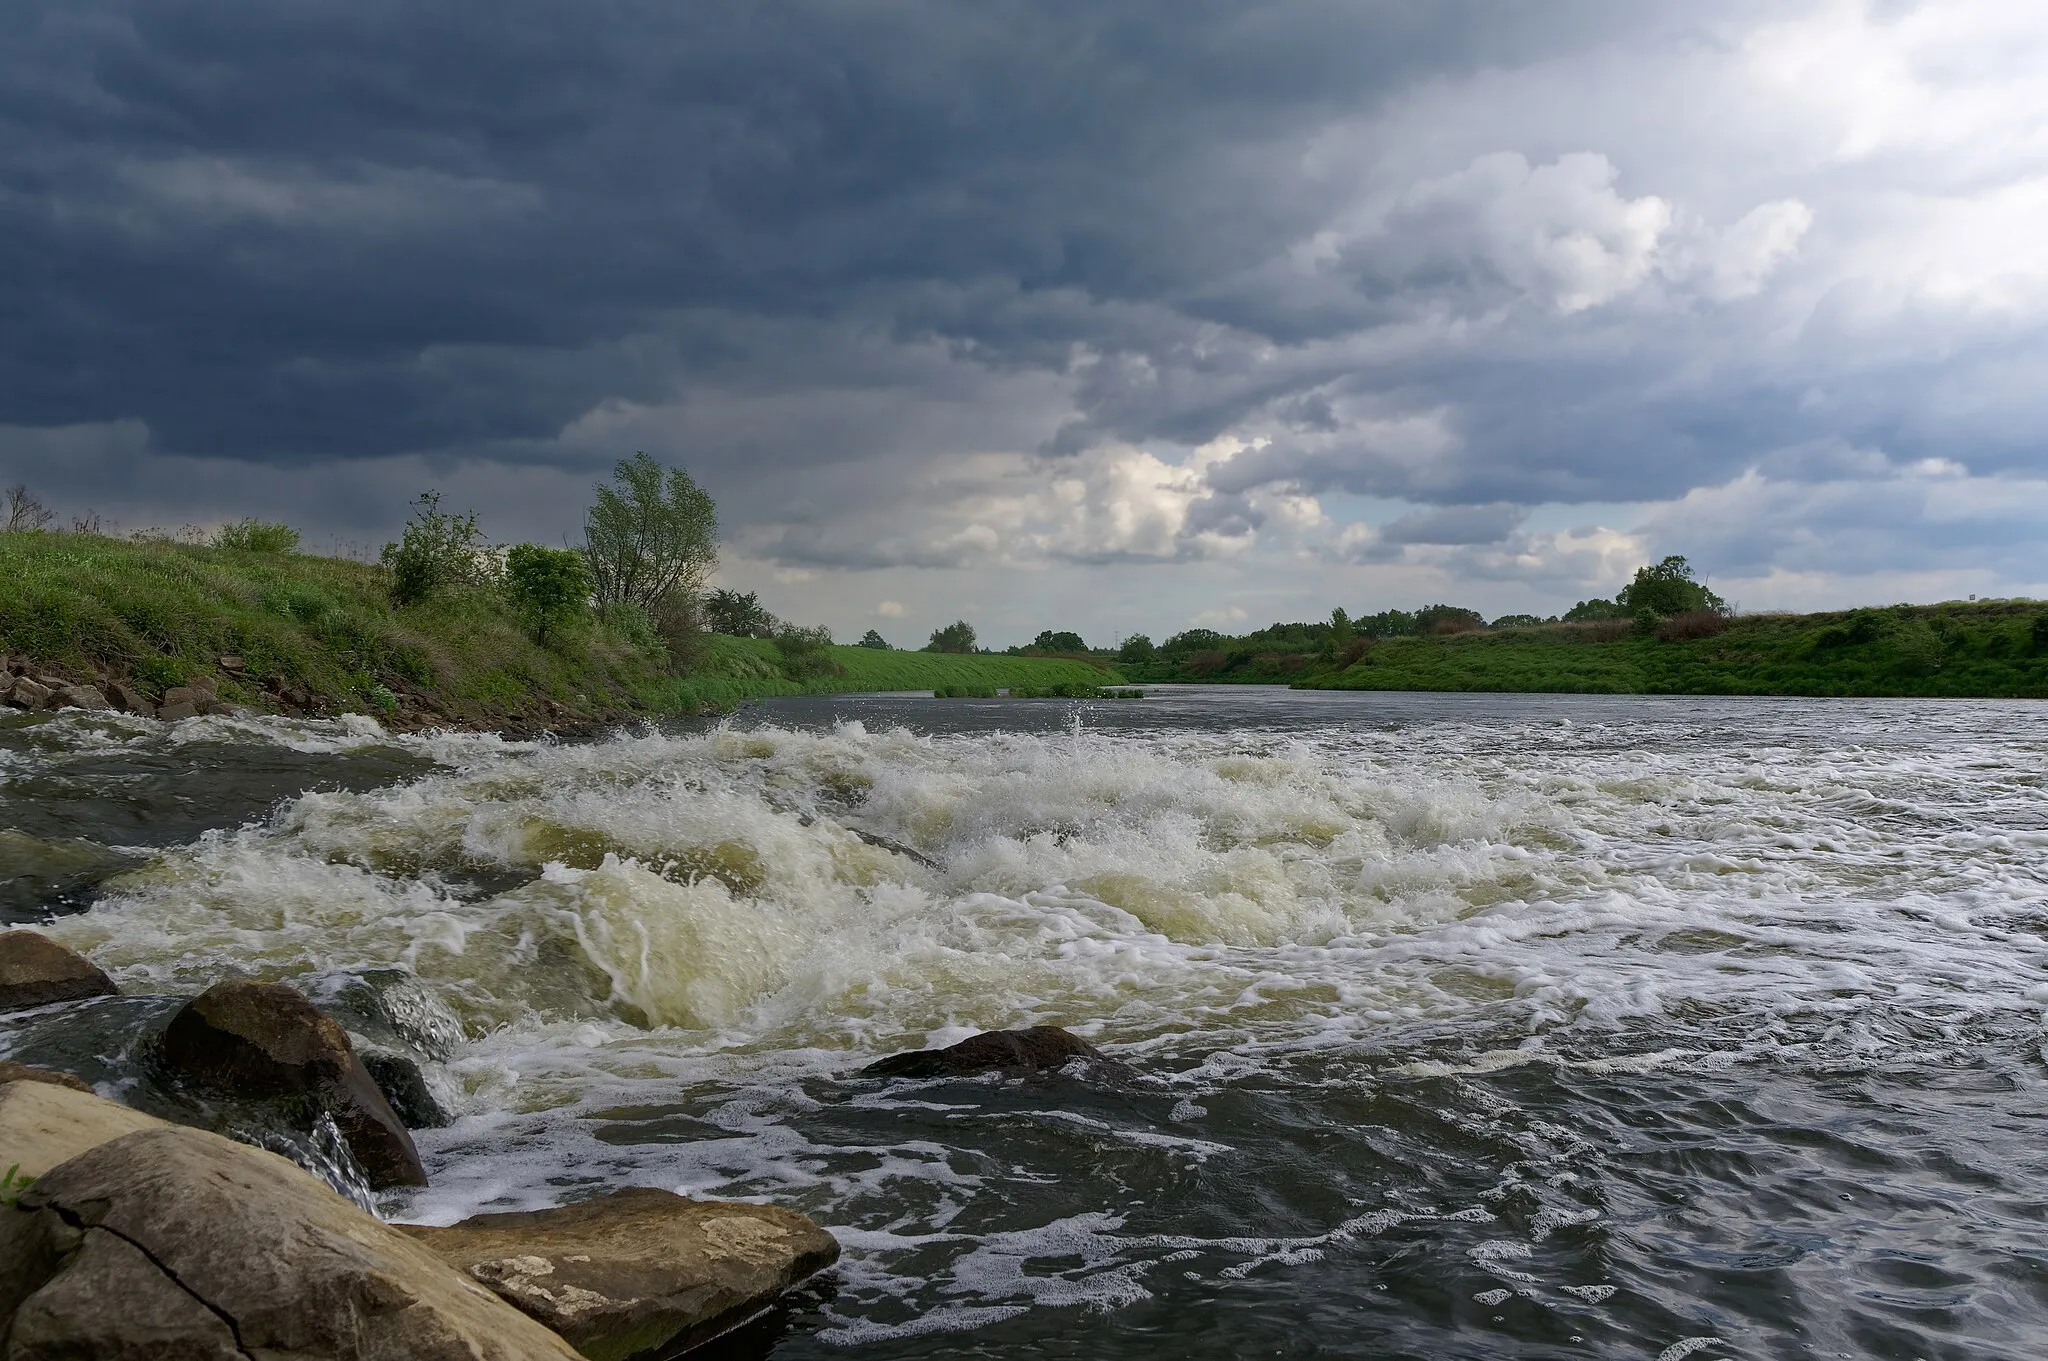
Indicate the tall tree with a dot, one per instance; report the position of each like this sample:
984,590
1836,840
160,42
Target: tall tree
652,535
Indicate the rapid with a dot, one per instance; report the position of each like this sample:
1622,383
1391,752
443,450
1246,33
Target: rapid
1461,1026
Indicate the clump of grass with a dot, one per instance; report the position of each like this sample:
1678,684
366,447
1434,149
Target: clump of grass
257,536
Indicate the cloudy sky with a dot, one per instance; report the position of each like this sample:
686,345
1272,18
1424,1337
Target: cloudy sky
1115,316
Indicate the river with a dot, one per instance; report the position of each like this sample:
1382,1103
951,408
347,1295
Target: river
1461,1026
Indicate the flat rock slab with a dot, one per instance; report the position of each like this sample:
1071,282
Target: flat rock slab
36,971
1037,1049
154,1244
45,1124
639,1272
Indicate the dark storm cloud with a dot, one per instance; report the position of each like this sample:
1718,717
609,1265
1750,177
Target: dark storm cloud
349,229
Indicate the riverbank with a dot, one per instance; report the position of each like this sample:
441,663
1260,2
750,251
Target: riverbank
1994,649
295,633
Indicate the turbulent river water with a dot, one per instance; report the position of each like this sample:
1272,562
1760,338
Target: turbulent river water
1459,1026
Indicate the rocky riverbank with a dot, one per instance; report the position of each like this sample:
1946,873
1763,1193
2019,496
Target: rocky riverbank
220,1249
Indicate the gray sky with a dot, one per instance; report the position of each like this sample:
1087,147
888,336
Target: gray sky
1115,316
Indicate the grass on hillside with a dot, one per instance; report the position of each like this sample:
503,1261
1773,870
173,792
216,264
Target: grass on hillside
158,614
1961,650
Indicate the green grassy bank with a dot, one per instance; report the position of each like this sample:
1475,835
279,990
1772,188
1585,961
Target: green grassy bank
321,634
1956,650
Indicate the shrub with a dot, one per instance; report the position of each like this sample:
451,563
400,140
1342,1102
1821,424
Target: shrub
738,616
1442,619
438,554
1646,623
2037,635
549,588
652,535
805,651
1448,624
1863,626
25,514
1693,624
957,636
1587,611
1066,641
257,536
874,640
1136,649
1517,621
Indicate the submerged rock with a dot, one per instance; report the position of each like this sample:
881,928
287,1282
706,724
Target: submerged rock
176,1243
637,1271
264,1039
44,1124
405,1087
36,971
997,1051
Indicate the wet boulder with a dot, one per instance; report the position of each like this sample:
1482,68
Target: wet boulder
638,1271
1037,1049
81,697
214,1249
45,1124
28,693
405,1087
36,971
265,1040
129,700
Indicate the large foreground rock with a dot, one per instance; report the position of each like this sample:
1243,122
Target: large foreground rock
44,1124
265,1040
997,1051
36,971
637,1270
175,1243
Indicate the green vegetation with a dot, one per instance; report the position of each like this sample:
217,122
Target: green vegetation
548,588
257,536
438,555
873,639
736,669
651,538
1997,648
957,636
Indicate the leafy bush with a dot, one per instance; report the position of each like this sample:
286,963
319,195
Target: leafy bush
549,588
874,640
738,616
806,652
438,554
1064,641
1862,626
1518,621
1647,621
2037,635
957,636
1592,610
651,536
1137,649
257,536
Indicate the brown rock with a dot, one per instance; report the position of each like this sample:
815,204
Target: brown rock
171,713
640,1270
186,694
129,700
204,682
10,1071
81,697
230,662
264,1039
28,694
43,1125
36,971
286,1266
1033,1050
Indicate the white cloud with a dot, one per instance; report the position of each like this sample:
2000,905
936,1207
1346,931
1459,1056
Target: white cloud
889,609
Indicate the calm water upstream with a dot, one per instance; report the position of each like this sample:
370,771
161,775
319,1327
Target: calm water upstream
1464,1026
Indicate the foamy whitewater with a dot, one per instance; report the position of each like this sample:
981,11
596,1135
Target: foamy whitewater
1487,1026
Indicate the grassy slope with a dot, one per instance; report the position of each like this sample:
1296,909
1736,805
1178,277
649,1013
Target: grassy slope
159,613
1937,650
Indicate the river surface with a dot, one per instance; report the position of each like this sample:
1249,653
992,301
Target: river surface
1459,1026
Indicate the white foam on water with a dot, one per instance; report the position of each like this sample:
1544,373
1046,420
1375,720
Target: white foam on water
617,924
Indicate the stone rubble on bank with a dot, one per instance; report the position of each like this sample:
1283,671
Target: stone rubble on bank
219,1250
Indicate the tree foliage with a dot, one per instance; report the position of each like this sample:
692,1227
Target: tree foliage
1063,641
25,514
875,640
1666,587
737,615
548,587
438,554
957,636
1136,649
651,535
806,652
